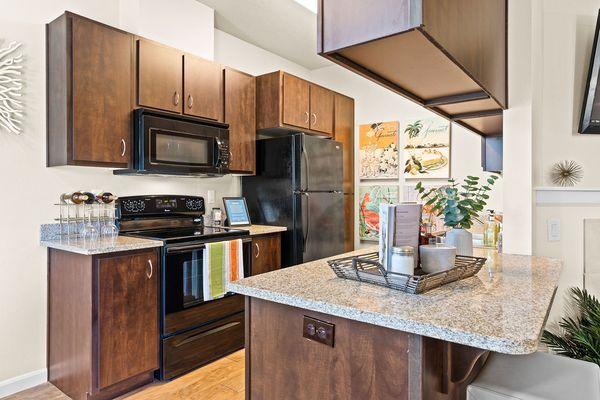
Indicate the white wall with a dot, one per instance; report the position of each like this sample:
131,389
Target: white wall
565,34
374,103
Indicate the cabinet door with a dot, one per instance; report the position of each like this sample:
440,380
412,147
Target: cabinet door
102,93
296,98
344,132
203,83
321,109
240,114
160,76
127,316
266,254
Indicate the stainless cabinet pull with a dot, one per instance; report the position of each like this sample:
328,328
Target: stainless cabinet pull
315,118
123,147
190,101
150,270
257,250
176,98
307,117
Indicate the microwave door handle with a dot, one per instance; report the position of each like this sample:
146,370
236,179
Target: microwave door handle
218,152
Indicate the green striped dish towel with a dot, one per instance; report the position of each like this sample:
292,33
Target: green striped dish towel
223,262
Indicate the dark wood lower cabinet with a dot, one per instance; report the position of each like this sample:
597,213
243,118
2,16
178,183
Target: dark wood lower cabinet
266,253
102,322
366,362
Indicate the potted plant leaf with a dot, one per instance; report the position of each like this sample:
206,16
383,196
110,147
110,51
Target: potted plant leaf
579,336
459,204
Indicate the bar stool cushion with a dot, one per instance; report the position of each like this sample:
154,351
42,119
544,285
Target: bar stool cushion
538,376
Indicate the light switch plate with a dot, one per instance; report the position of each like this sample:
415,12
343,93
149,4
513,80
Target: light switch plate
210,197
554,230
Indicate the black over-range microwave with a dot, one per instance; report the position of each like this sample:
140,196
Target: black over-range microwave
170,144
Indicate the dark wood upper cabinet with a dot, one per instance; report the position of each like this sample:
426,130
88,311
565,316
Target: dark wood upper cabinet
266,253
344,133
446,55
203,88
286,103
160,76
321,109
296,101
89,93
240,114
103,316
127,317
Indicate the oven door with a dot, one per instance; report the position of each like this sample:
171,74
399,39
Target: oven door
183,301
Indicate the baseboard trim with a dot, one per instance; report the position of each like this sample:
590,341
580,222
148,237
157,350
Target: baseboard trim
22,382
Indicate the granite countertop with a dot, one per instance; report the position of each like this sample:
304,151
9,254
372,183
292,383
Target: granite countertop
102,246
256,230
502,309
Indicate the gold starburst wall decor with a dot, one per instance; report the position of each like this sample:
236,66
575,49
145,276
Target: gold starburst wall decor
566,173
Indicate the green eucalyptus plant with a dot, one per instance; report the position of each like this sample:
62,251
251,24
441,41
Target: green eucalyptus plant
458,203
578,337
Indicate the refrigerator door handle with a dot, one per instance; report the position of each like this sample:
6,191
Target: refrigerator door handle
305,157
306,234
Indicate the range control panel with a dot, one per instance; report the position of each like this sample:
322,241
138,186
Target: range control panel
159,204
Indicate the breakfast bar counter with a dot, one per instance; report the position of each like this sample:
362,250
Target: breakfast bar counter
446,333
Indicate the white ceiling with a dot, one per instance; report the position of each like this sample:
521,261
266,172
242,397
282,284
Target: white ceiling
282,27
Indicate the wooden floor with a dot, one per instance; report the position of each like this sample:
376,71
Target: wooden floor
221,380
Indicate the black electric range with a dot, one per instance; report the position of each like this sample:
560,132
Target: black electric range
193,331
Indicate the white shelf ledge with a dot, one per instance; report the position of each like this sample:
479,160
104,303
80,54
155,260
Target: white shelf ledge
567,195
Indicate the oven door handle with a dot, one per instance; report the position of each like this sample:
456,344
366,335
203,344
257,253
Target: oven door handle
184,249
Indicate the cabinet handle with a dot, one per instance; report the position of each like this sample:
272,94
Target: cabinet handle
190,101
176,98
123,147
307,117
315,118
150,269
257,250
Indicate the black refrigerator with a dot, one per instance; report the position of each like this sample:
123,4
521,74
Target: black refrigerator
298,184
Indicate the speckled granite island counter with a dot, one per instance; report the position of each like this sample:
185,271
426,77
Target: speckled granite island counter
427,346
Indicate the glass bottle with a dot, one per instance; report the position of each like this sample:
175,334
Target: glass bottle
490,230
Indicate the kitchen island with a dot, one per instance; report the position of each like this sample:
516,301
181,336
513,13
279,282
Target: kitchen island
370,342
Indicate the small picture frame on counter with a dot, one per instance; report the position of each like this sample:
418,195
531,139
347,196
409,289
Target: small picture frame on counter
237,211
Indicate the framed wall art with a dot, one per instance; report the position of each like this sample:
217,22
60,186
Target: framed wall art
427,148
378,150
370,197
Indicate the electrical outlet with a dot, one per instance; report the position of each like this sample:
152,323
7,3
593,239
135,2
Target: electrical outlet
210,197
554,230
319,331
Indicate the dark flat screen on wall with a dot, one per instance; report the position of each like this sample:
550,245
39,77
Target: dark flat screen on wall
590,112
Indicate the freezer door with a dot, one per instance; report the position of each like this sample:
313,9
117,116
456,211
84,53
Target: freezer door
321,224
320,164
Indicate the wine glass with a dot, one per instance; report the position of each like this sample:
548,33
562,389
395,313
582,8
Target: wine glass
109,228
89,233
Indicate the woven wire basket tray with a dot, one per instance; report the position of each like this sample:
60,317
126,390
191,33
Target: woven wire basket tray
366,268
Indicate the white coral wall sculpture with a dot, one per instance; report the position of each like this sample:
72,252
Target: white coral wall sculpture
11,84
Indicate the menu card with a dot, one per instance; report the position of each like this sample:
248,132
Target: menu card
399,225
408,227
